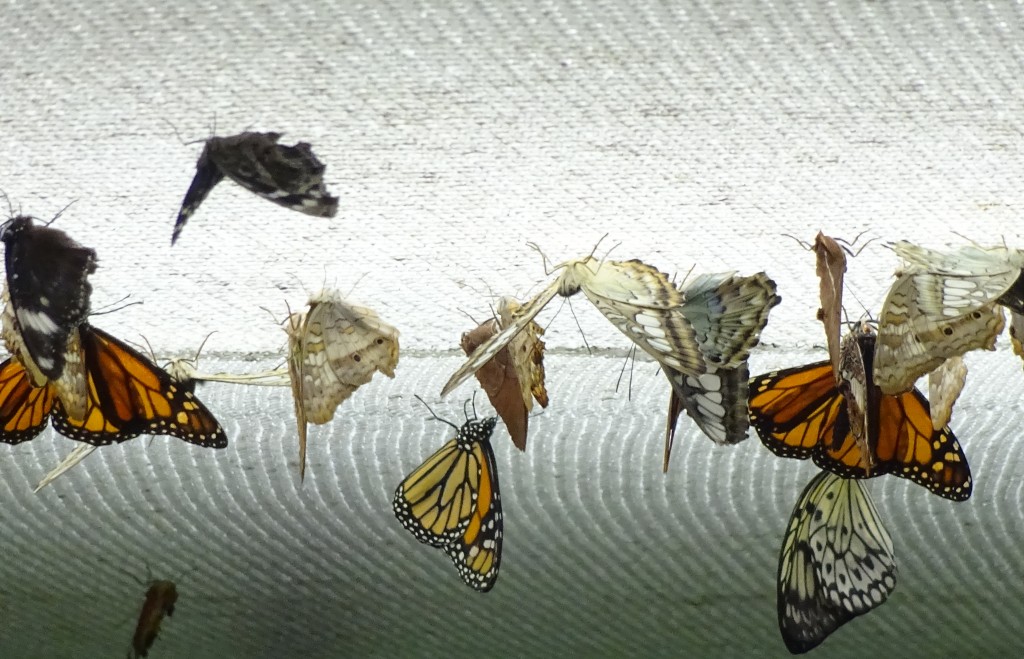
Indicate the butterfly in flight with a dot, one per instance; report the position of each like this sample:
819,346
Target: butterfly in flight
290,176
46,298
161,596
942,305
515,376
128,396
837,561
803,412
333,349
728,313
452,501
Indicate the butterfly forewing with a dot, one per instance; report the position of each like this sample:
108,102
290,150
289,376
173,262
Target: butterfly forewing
290,176
452,501
837,561
24,408
48,289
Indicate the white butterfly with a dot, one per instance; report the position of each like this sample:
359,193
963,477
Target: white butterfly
943,305
334,348
837,561
727,313
638,299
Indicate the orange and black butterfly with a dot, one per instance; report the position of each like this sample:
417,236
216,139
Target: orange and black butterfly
161,596
128,396
803,412
452,501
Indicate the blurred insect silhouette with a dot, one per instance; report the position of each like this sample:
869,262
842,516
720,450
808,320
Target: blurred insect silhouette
290,176
161,597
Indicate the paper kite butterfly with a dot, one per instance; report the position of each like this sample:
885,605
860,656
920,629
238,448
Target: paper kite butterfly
290,176
515,376
333,349
837,561
128,396
452,501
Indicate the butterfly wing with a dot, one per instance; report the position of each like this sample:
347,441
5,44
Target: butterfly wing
24,409
716,401
290,176
1017,333
501,383
830,262
527,353
207,176
837,561
941,306
944,386
49,290
130,396
486,351
452,501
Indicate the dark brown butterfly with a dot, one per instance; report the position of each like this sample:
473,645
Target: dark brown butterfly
161,597
48,289
287,175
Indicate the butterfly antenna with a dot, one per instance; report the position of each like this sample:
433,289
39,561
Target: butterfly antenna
433,414
805,245
610,250
112,308
349,293
10,207
467,314
686,276
181,140
544,259
149,347
195,360
580,327
470,402
631,361
59,213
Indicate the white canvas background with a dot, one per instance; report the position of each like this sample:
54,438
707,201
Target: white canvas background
694,134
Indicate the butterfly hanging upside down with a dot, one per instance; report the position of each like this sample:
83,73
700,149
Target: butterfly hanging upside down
128,396
452,501
837,561
803,412
161,596
290,176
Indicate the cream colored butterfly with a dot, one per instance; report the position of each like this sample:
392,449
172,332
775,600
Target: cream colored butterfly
186,372
943,305
837,561
727,312
638,299
515,377
334,348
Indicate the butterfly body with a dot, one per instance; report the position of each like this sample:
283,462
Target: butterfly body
837,561
160,600
803,413
452,501
48,290
334,348
290,176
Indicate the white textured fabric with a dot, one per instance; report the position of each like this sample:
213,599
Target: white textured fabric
695,134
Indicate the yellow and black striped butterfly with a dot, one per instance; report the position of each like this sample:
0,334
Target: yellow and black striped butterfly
127,396
452,501
803,413
837,561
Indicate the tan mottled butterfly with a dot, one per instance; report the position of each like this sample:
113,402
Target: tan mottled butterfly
728,313
837,561
944,386
943,305
515,376
334,348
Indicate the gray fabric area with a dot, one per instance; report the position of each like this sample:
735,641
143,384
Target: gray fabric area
695,134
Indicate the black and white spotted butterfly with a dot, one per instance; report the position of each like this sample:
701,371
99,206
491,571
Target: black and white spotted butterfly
48,289
287,175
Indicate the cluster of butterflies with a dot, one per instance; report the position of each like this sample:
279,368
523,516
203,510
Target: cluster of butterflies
857,414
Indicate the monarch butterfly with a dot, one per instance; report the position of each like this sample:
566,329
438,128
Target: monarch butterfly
287,175
728,313
837,561
48,293
161,596
452,501
943,305
128,397
333,349
515,376
803,413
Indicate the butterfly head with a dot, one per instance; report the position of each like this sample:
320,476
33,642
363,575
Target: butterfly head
574,273
14,227
473,431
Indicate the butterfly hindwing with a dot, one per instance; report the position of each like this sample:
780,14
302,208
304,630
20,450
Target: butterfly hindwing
944,386
837,561
24,408
48,289
290,176
452,501
830,264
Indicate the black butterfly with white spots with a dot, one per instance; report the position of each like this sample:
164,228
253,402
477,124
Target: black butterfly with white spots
287,175
48,288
